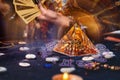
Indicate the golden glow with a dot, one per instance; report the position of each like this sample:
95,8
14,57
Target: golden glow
65,76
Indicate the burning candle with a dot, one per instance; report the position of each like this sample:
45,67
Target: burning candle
66,76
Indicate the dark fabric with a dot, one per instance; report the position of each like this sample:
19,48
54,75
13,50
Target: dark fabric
37,71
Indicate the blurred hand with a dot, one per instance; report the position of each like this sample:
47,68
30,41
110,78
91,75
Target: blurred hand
54,17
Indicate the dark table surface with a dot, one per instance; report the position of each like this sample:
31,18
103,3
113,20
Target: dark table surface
38,70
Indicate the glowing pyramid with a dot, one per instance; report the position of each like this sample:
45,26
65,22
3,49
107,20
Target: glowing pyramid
75,43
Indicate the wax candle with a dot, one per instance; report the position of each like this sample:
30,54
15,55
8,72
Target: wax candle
66,76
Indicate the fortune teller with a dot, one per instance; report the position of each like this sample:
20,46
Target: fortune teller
74,10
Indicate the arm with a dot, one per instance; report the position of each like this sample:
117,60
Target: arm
54,17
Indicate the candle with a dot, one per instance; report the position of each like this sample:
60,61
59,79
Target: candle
66,76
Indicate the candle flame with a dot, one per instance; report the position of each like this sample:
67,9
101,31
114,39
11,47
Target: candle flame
65,76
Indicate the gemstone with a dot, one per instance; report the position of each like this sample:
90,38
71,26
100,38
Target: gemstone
24,64
2,54
30,56
48,65
52,59
67,70
87,58
3,69
24,48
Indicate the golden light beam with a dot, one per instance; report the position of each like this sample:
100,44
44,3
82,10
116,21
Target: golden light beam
111,23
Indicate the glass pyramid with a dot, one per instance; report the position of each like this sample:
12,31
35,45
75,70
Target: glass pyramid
75,43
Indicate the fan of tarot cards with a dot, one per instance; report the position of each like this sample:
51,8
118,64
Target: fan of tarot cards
27,9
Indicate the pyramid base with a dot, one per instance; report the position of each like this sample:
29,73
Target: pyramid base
73,55
83,51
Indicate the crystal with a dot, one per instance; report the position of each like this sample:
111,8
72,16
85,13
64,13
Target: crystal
30,56
24,64
48,65
3,69
67,70
76,43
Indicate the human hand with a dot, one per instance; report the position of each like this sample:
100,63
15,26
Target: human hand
54,17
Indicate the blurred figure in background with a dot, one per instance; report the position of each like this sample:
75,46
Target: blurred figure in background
4,10
63,22
88,16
